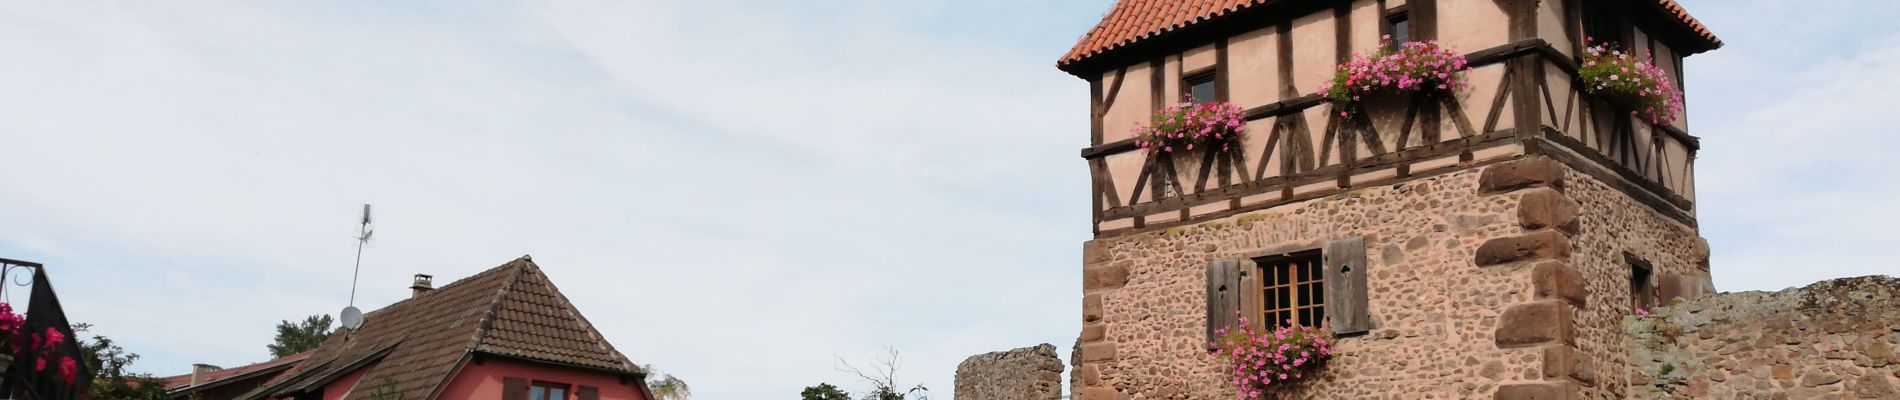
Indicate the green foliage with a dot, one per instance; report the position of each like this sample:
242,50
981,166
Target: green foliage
824,391
293,338
109,362
665,386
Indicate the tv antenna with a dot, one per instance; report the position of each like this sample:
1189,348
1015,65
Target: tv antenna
352,317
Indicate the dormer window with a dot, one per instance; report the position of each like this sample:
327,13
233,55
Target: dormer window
1200,87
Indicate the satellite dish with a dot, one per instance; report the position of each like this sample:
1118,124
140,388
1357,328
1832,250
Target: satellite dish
352,318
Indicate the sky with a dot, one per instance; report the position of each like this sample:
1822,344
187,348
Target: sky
741,194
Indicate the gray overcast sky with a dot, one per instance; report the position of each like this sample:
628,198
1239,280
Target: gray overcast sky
737,192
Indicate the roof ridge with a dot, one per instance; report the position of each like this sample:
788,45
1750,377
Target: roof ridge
487,322
588,326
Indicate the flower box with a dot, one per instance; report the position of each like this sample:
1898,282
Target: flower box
1630,82
1410,68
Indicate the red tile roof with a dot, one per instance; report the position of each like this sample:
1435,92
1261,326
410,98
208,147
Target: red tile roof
180,382
414,345
1135,20
1689,21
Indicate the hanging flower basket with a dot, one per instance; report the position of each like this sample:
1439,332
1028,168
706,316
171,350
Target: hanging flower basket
1413,67
1188,126
1262,362
1631,82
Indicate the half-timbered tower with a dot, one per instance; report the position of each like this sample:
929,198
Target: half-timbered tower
1480,244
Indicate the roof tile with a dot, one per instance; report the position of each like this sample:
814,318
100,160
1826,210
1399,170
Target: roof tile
512,310
1135,20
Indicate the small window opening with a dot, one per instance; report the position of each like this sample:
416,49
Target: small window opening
1293,290
1201,88
1603,26
1642,295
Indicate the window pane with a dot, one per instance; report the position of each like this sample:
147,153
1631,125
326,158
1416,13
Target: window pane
1319,315
1282,297
1318,291
1303,277
1201,90
557,394
538,393
1279,274
1271,299
1401,29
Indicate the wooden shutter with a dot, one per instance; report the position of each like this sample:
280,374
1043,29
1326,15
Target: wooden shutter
587,393
1223,296
1345,262
514,389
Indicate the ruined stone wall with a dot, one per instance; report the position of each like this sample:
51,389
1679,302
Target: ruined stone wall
1435,314
1833,339
1029,373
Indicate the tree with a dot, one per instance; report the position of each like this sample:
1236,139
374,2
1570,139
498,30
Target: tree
883,378
824,391
109,362
293,338
665,386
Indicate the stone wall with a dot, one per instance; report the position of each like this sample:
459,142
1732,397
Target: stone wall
1501,281
1434,312
1611,226
1029,373
1833,339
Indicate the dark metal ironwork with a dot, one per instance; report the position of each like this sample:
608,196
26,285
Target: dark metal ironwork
26,378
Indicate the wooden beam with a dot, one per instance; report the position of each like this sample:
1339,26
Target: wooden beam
1331,172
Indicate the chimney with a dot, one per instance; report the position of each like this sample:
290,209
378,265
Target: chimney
422,284
200,371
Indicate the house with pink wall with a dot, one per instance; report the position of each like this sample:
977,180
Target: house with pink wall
506,333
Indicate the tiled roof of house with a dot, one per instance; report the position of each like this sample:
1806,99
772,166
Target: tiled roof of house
1131,21
414,345
213,378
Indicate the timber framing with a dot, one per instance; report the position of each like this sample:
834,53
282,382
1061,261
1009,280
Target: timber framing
1608,154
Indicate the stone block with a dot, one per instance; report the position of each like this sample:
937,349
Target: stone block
1098,352
1093,252
1097,393
1536,323
1105,276
1538,391
1094,332
1547,208
1090,375
1670,287
1540,245
1514,175
1557,281
1561,361
1091,308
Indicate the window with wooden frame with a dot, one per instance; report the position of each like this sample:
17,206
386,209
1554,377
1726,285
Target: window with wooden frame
1325,286
1200,87
544,390
1642,292
1292,290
